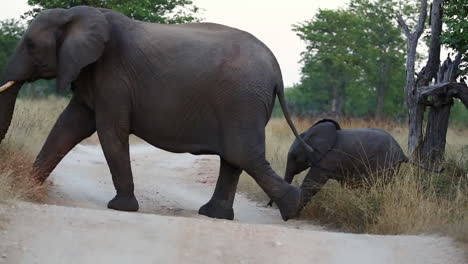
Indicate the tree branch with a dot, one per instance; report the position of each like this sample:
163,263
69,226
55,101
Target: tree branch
437,89
448,89
403,25
422,19
456,70
460,91
432,65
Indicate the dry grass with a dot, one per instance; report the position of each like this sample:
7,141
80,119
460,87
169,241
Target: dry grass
412,202
32,121
15,180
30,126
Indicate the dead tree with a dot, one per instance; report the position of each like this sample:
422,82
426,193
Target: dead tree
439,99
434,88
415,110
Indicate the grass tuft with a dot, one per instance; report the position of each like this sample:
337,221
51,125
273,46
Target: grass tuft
412,201
15,180
32,121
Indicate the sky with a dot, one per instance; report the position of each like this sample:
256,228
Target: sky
269,20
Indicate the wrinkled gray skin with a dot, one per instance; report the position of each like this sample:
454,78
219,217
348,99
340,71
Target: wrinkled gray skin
348,154
200,88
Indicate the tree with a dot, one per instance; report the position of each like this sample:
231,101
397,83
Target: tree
330,56
421,93
382,54
354,60
159,11
415,110
456,33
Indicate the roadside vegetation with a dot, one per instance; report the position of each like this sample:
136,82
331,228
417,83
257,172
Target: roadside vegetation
32,121
412,202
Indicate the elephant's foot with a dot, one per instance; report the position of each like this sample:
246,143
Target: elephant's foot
124,203
215,209
290,204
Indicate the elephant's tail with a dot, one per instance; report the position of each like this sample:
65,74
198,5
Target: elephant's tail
280,92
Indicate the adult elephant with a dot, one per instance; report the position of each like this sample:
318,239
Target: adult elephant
200,88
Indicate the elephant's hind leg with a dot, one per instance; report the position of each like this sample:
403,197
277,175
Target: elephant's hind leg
286,196
220,204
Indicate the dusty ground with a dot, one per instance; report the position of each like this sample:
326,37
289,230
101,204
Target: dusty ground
76,227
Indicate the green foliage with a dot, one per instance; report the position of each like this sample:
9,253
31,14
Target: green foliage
10,33
359,51
328,61
455,18
458,116
160,11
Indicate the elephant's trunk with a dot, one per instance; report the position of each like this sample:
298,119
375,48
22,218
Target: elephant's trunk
17,71
7,106
290,171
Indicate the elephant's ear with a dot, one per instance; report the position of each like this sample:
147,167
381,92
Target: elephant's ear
84,37
322,138
338,127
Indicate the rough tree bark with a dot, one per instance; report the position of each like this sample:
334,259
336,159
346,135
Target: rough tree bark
433,146
415,110
438,97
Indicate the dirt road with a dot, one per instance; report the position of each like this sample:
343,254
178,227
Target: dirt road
165,184
76,227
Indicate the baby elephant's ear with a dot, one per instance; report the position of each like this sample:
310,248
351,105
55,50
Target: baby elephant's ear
85,36
322,138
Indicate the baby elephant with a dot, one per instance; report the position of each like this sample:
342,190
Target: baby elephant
348,154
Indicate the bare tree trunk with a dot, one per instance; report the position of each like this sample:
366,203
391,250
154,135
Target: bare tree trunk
383,84
380,102
415,110
429,72
337,102
432,148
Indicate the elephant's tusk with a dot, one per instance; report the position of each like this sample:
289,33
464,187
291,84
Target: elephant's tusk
7,86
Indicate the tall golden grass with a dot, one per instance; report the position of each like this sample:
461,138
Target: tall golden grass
32,121
412,202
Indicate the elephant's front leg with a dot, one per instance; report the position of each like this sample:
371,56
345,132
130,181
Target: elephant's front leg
313,182
76,123
113,132
220,204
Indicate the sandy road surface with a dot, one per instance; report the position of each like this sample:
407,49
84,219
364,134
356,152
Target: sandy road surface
165,183
76,227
